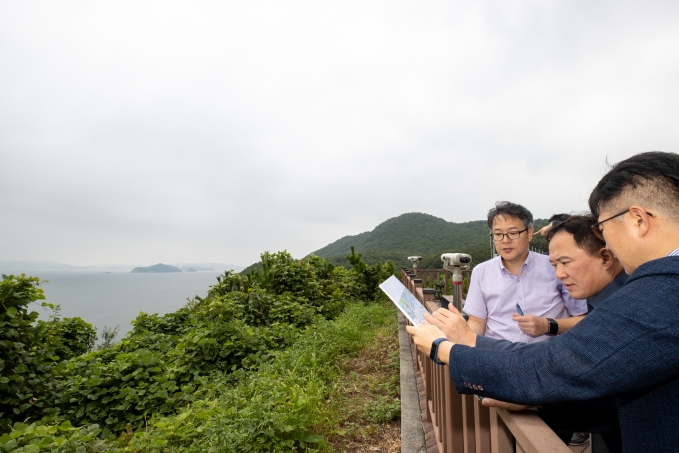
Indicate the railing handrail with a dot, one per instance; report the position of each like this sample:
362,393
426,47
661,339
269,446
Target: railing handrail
462,424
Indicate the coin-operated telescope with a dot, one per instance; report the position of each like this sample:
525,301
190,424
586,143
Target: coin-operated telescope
415,260
456,263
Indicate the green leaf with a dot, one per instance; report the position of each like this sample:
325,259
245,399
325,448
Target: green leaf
312,438
11,312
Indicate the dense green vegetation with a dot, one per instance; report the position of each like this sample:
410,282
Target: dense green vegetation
248,368
32,350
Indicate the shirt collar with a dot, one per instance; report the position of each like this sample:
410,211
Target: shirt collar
674,253
527,264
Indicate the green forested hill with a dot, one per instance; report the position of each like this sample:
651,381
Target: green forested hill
421,234
411,234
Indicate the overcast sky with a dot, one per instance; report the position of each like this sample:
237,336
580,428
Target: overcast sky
140,132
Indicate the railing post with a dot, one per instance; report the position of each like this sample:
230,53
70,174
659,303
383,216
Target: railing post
468,423
501,439
482,434
454,416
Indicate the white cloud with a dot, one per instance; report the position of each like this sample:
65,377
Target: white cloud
212,131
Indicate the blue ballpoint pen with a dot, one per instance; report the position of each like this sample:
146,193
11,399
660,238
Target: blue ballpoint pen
518,307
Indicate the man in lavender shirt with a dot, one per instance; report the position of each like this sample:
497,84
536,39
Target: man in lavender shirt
508,295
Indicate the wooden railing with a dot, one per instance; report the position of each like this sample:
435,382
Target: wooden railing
461,423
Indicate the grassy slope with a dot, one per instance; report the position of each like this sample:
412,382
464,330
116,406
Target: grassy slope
303,393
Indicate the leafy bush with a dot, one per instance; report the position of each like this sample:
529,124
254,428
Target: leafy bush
369,277
72,337
248,365
278,407
26,356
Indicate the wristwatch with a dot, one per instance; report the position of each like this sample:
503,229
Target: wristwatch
433,354
553,327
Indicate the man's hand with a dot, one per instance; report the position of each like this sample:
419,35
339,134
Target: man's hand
544,230
490,402
532,325
424,336
453,325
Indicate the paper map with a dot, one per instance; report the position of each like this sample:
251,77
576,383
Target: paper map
404,300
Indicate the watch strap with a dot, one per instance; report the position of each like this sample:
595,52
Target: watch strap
433,354
553,327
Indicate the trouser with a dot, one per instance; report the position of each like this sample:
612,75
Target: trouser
593,416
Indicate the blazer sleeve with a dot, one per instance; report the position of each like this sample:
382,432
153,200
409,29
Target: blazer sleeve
503,345
629,344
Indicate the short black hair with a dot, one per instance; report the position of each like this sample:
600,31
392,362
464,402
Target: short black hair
506,208
650,178
558,218
579,226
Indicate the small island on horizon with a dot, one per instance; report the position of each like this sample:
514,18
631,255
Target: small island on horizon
159,268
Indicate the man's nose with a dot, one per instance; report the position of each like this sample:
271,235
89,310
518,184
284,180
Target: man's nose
560,272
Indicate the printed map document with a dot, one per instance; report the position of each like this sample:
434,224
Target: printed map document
404,300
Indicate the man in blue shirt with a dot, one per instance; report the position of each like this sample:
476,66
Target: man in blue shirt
625,353
516,281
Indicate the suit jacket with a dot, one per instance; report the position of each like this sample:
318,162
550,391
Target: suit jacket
626,350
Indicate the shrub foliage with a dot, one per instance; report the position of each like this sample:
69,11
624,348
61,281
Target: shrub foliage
154,386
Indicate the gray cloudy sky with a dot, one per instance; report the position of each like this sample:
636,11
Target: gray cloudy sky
140,132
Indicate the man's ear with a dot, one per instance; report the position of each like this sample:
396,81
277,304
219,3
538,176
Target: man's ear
641,220
530,233
607,257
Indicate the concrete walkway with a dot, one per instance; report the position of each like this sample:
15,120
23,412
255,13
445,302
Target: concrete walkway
412,433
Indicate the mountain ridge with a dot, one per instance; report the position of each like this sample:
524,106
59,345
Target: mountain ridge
415,234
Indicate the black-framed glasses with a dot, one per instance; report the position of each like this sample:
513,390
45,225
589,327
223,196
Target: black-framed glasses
511,235
600,234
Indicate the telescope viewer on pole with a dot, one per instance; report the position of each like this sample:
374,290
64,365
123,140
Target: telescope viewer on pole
456,263
414,260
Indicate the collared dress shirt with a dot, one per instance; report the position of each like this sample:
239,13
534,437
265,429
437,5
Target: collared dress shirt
494,293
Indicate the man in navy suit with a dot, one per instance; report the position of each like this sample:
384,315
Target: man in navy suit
625,355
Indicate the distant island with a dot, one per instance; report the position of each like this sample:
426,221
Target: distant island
197,269
159,268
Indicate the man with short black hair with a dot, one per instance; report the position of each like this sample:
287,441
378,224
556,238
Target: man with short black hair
517,282
626,353
553,220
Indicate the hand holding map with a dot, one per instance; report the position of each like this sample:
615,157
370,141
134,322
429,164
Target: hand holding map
404,300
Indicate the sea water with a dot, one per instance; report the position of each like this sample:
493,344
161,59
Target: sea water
116,298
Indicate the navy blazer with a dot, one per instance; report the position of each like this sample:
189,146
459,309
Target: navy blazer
627,350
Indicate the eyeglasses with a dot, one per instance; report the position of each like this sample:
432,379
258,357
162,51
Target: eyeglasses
511,235
600,234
